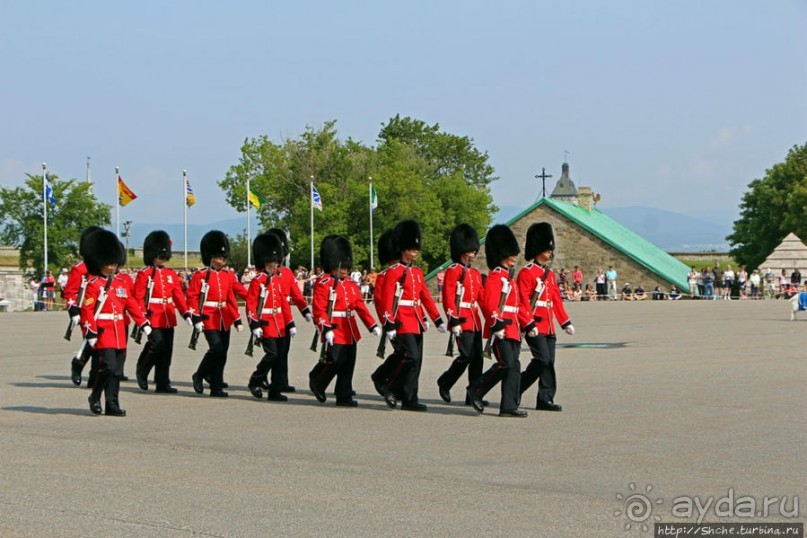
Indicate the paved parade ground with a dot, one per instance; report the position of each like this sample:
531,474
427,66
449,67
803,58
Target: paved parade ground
704,399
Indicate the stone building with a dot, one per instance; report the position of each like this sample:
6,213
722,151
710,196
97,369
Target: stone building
789,255
587,237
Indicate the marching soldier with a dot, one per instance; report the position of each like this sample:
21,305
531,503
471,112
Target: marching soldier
293,295
500,306
269,314
337,301
159,290
405,296
540,294
216,312
75,281
461,294
107,299
387,254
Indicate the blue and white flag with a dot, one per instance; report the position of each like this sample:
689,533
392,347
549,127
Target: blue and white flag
316,201
49,191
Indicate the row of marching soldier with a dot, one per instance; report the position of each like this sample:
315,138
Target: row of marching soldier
486,316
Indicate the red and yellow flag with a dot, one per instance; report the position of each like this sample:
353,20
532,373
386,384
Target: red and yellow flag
125,194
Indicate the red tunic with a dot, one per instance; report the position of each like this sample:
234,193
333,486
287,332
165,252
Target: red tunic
409,318
109,323
166,296
292,290
468,310
378,293
221,305
347,306
512,313
276,311
74,279
549,305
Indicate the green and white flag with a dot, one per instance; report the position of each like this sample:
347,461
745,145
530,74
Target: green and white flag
373,199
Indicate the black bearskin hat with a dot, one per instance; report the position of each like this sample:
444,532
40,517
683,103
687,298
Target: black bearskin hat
408,235
463,239
87,231
539,239
501,243
283,239
101,248
157,244
335,251
387,247
214,243
267,248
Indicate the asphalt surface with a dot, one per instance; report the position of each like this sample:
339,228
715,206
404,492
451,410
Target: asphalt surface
702,400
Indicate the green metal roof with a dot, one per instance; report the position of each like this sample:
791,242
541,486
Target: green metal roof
615,234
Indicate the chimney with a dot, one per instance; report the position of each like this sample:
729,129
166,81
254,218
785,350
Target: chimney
585,198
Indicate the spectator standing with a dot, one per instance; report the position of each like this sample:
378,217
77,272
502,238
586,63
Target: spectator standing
62,282
610,278
602,289
577,278
728,282
48,288
708,283
718,272
754,280
692,277
784,284
795,279
441,276
355,276
742,277
364,285
770,286
372,276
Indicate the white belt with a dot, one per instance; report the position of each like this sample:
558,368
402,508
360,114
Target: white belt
509,308
161,300
215,304
343,314
463,304
408,302
544,304
110,317
271,311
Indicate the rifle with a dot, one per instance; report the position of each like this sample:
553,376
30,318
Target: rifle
137,332
202,300
458,299
323,354
261,304
381,351
487,353
102,295
81,292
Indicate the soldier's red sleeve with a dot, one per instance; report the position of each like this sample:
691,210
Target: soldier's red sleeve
253,294
428,302
71,289
134,307
88,322
238,288
232,304
388,295
319,302
363,312
449,298
378,293
525,282
194,290
294,291
557,306
140,285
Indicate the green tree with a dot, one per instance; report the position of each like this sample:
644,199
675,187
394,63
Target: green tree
238,254
21,218
771,208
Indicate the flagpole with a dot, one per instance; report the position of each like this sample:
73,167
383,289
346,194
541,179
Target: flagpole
45,207
371,222
249,261
185,205
311,196
117,201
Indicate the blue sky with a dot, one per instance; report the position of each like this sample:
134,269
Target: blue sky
676,105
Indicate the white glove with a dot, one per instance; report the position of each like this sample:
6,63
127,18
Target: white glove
391,335
456,330
190,322
293,332
147,330
426,325
499,334
329,337
239,327
376,331
309,318
257,333
441,328
532,332
569,330
92,342
76,320
199,326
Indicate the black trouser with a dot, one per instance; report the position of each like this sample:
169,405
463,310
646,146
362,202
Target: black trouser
159,358
272,347
282,366
212,365
340,362
78,363
385,370
405,376
469,345
541,367
602,291
110,372
507,369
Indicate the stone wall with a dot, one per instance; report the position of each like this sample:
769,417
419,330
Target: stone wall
576,246
13,288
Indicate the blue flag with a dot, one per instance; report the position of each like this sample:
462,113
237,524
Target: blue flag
316,201
49,191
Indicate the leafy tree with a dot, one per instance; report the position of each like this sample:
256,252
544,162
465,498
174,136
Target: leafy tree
771,208
21,217
238,253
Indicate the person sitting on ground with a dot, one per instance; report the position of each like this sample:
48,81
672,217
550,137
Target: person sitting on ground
627,293
674,294
639,293
590,294
658,294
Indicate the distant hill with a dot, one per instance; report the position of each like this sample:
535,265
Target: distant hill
670,231
231,227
